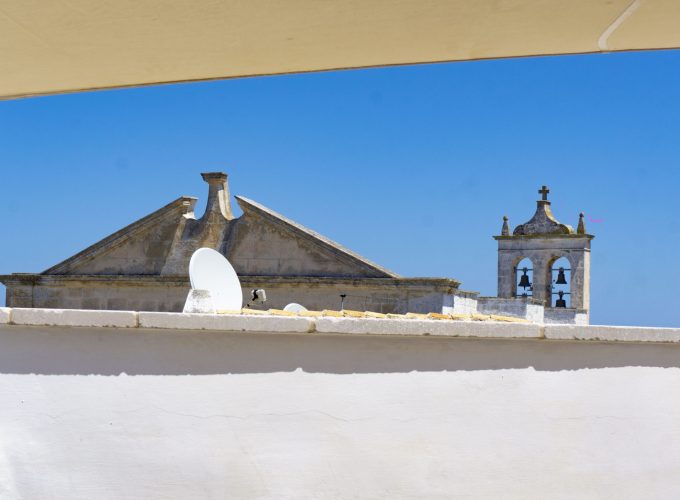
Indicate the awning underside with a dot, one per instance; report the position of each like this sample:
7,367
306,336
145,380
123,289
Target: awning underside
70,45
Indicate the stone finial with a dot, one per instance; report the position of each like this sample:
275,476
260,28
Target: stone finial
581,228
506,227
218,196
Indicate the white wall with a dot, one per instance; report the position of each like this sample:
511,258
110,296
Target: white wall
98,413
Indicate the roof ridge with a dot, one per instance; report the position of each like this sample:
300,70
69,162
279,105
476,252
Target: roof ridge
312,235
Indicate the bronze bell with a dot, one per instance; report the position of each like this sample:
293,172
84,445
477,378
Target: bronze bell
524,280
561,278
560,302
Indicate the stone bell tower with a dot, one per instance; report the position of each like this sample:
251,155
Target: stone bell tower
543,240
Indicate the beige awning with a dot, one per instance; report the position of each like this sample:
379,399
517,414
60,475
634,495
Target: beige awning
51,46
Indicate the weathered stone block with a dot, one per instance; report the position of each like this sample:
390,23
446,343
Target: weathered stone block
116,304
612,333
91,303
73,317
427,327
225,322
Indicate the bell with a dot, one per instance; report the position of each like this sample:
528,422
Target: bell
561,302
524,280
561,278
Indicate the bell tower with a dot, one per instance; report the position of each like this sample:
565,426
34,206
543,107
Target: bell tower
555,259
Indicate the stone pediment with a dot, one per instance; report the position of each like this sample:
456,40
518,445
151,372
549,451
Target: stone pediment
264,242
261,242
139,248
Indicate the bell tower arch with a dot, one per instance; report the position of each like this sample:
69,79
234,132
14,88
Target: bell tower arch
544,241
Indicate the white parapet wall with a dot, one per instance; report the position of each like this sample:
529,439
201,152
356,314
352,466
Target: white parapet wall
127,405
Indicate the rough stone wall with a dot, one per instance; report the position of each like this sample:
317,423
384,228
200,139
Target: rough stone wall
113,296
171,295
19,295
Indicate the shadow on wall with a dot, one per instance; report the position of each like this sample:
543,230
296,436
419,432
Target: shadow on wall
2,296
62,351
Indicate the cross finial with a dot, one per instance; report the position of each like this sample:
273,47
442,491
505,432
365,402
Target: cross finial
544,192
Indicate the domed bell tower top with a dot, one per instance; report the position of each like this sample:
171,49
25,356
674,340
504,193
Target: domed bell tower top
543,240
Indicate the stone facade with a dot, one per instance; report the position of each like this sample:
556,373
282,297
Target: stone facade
144,266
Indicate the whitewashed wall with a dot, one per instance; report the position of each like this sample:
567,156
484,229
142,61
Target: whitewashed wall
109,413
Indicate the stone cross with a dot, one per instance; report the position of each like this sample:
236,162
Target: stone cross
544,192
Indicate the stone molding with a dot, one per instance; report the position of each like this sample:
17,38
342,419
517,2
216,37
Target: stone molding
440,284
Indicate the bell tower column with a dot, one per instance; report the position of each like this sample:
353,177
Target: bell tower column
542,277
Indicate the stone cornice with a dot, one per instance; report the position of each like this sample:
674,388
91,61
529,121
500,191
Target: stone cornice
440,284
542,236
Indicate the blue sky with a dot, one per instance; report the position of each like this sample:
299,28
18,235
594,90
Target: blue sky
412,167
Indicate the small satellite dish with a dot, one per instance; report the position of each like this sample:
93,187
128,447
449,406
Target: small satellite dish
294,308
210,270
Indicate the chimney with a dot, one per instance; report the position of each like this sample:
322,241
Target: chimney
219,203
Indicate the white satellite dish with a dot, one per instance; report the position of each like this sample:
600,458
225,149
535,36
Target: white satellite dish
294,308
210,270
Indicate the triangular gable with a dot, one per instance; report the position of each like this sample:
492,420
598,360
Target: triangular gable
337,252
168,215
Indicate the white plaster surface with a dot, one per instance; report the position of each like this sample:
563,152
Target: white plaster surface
332,325
463,305
559,316
617,333
427,327
73,317
107,413
226,322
